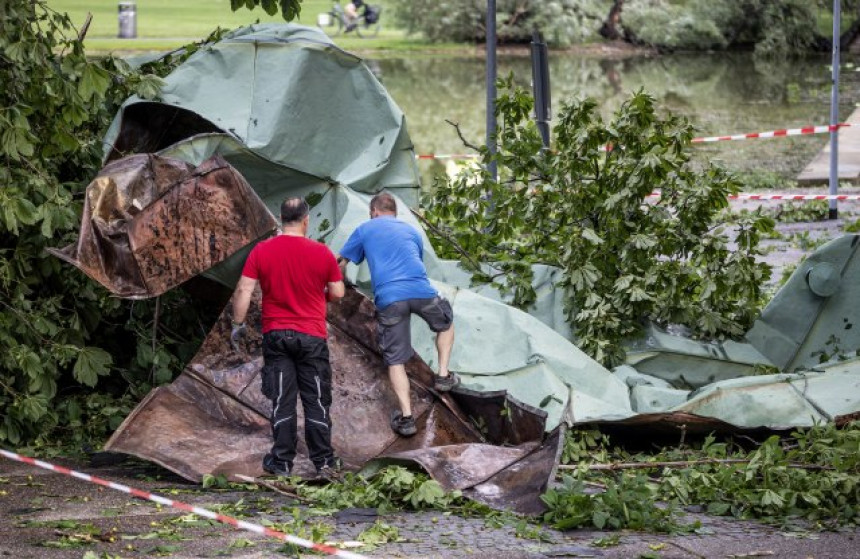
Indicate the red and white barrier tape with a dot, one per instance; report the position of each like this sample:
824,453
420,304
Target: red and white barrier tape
753,135
774,133
747,196
241,524
795,197
447,156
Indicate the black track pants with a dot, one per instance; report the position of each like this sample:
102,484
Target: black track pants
298,363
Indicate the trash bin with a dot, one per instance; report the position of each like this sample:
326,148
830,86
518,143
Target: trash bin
127,20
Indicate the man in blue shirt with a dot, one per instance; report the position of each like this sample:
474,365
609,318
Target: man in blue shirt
395,253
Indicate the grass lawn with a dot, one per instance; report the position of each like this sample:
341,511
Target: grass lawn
168,24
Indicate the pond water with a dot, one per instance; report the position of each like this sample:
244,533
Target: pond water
720,93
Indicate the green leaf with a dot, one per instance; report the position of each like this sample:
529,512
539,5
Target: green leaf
15,142
771,497
591,236
47,228
270,6
29,362
33,408
150,87
17,51
10,431
290,9
599,518
378,534
428,493
92,363
24,210
94,82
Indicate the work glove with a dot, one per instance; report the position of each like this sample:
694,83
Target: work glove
239,331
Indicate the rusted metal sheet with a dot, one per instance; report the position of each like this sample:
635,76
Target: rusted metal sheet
519,486
213,418
150,223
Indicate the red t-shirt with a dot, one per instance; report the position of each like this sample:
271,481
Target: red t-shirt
293,273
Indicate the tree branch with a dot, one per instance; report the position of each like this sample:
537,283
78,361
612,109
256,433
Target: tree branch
680,464
274,486
443,235
519,11
83,32
462,138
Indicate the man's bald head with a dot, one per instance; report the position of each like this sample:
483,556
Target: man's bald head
294,210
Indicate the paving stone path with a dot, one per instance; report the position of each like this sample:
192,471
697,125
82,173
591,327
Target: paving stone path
45,514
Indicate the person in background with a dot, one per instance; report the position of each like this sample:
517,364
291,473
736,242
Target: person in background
394,252
351,12
297,276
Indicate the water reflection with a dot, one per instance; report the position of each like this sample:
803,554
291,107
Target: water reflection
723,93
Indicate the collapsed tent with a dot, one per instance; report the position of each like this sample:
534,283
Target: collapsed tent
330,131
278,110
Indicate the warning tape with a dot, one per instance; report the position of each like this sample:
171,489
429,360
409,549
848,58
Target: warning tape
795,197
447,156
822,129
251,527
747,196
774,133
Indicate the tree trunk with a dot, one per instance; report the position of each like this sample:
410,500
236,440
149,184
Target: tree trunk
609,29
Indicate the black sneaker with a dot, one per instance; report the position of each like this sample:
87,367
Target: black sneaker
404,426
444,384
329,474
272,466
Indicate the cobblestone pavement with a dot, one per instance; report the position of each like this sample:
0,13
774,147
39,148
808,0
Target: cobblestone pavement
45,514
797,239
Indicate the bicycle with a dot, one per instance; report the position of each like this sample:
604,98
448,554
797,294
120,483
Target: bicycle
366,24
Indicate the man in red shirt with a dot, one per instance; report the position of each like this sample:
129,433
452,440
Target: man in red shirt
296,275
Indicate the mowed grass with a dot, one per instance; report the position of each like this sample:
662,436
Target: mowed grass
168,24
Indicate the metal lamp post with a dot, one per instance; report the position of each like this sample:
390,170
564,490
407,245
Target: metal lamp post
834,110
491,83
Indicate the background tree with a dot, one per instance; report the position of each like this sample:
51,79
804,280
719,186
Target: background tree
771,27
584,207
562,22
783,27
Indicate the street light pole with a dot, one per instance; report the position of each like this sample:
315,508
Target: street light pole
491,83
834,110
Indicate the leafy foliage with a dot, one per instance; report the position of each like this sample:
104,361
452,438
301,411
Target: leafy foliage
379,533
811,475
392,488
61,334
627,503
771,27
623,257
774,28
770,487
290,9
562,22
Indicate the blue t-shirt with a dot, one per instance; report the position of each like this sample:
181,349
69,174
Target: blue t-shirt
395,255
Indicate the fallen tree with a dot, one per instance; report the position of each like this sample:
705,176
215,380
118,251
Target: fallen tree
585,207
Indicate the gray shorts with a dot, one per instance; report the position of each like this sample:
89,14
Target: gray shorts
392,325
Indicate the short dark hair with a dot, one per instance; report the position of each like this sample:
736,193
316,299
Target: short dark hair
294,210
383,202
